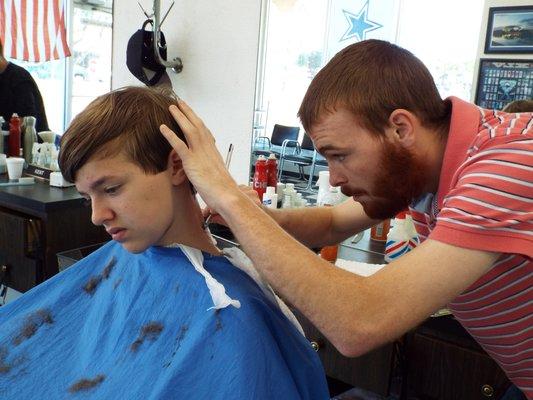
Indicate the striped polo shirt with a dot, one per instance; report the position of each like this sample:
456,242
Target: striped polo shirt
485,202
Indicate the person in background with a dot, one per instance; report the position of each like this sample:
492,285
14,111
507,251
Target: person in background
519,106
392,142
159,312
19,94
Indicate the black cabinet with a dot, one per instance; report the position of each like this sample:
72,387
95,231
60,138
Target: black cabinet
37,222
20,258
444,362
371,371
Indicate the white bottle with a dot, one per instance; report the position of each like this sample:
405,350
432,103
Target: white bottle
331,198
280,188
299,201
270,198
2,121
289,191
323,187
287,201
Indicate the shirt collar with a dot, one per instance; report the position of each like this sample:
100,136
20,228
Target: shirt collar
464,125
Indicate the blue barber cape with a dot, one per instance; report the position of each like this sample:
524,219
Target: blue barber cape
118,325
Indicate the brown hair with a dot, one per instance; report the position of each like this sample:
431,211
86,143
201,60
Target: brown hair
371,79
125,120
519,106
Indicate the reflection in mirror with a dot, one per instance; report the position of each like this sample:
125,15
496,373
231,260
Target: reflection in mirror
67,85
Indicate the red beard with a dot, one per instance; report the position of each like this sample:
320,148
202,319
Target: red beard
402,179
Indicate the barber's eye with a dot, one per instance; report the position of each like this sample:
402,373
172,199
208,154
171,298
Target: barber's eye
339,157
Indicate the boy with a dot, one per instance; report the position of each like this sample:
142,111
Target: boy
135,320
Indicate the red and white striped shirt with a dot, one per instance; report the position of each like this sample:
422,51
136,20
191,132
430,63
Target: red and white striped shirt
485,202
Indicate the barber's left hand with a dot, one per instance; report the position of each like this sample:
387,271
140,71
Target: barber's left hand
201,160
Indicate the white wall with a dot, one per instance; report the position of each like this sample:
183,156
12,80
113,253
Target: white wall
217,41
483,34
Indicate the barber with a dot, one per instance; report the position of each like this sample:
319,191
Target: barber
19,94
391,142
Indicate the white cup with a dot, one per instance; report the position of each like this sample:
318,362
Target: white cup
14,167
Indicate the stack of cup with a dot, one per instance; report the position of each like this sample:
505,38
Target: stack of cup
15,166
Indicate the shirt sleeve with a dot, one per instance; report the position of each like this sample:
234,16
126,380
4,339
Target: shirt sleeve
490,204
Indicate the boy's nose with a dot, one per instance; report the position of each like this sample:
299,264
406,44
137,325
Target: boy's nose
100,213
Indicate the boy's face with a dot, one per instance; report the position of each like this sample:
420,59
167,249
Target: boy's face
136,209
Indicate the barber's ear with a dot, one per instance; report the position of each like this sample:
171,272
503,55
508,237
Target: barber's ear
175,167
403,126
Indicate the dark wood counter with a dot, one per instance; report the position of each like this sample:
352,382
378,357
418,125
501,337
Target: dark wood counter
437,360
36,222
38,199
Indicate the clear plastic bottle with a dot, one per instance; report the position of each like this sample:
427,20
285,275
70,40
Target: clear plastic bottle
330,199
29,138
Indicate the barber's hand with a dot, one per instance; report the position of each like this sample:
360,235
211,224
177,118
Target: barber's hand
201,160
217,218
251,193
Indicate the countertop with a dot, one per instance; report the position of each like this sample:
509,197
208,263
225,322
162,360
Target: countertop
38,198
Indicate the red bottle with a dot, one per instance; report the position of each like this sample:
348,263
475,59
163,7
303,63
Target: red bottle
260,176
272,170
14,136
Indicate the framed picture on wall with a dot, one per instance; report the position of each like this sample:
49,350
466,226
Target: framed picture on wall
510,30
502,81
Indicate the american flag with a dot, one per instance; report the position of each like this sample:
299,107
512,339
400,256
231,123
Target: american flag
33,30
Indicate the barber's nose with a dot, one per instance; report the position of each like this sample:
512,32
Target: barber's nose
100,212
336,178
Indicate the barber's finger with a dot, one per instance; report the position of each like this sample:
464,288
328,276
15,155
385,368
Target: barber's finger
195,120
190,114
185,124
176,143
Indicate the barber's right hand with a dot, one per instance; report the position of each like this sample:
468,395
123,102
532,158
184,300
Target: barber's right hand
217,218
200,158
251,193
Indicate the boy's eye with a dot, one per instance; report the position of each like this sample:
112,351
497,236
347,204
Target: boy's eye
86,201
112,189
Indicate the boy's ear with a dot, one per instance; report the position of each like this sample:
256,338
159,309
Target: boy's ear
175,168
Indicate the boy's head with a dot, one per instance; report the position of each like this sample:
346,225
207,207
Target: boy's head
114,153
123,121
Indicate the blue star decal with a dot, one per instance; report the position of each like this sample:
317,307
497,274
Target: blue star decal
360,25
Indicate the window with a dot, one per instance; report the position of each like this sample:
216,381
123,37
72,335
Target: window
91,50
294,54
444,38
